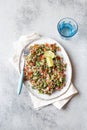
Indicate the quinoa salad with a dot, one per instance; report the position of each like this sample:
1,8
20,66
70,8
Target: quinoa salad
45,69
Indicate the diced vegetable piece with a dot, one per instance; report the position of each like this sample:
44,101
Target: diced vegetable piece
38,64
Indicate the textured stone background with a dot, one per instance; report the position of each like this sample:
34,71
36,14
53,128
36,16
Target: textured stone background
19,17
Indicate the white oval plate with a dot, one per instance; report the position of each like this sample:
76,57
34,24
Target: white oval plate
68,71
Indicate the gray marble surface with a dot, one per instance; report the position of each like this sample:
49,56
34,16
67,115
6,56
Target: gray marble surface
19,17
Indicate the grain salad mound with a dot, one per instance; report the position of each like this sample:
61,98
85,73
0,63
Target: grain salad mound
45,69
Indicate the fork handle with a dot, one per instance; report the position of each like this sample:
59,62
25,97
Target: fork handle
20,84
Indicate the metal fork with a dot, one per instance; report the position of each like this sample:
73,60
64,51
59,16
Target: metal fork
20,84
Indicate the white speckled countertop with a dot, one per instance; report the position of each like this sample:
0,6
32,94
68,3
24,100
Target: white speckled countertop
19,17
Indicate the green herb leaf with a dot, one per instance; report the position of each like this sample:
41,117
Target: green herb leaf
38,63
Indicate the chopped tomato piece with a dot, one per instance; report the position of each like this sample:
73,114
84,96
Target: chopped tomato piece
42,57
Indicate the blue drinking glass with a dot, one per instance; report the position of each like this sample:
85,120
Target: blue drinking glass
67,27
